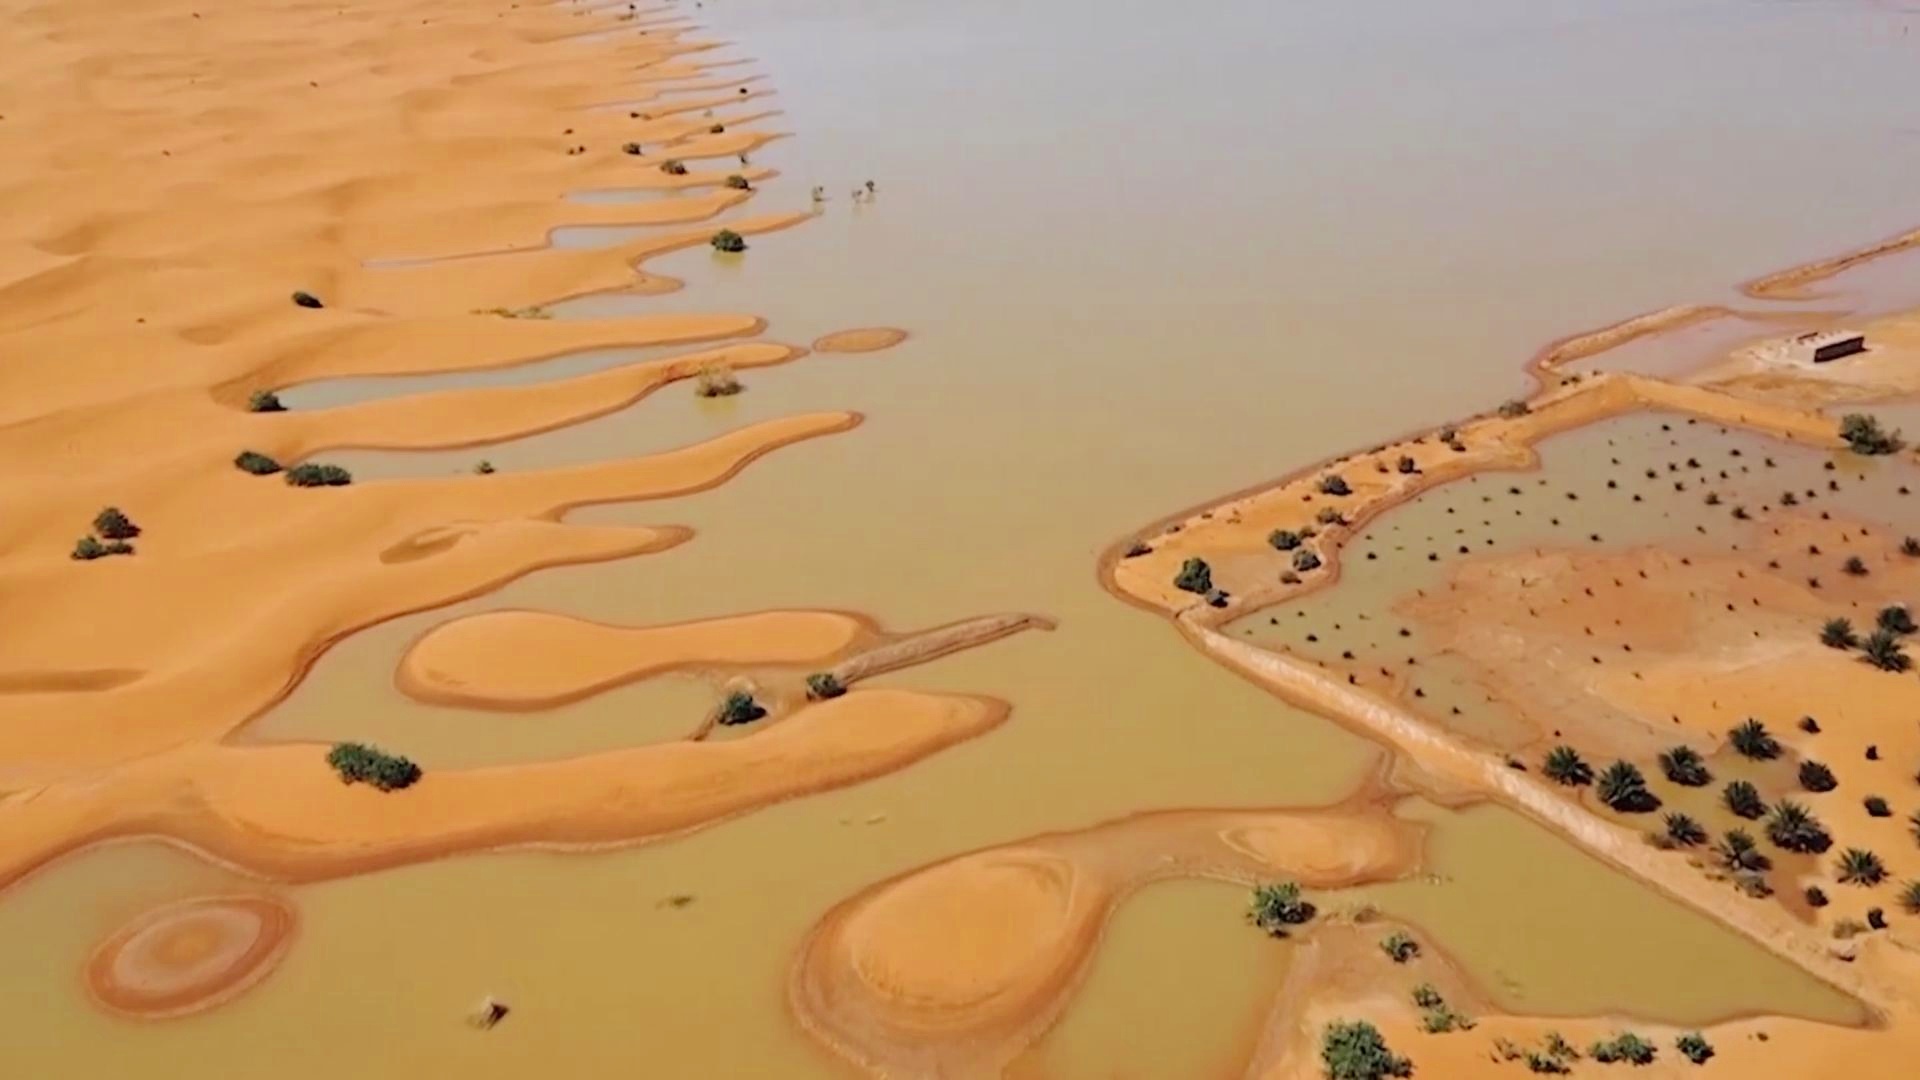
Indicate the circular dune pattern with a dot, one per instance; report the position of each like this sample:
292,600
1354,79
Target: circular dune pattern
189,956
863,339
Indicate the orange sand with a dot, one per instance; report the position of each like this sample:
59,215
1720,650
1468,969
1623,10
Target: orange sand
189,956
866,339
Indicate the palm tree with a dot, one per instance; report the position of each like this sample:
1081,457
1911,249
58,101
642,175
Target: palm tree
1896,619
1684,766
1737,851
1838,634
1794,828
1744,800
1684,831
1565,766
1752,739
1884,652
1859,866
1910,897
1623,788
1817,777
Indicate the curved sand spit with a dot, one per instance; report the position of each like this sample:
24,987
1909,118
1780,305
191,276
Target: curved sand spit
189,956
1231,536
954,969
864,339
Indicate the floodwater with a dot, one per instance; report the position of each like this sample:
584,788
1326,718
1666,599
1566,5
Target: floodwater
1147,257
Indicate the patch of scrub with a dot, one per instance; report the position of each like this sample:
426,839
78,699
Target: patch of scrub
1502,890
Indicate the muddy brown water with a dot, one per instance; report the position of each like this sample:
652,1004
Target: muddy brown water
1148,256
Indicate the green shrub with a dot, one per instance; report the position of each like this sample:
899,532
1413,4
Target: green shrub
633,148
1855,566
1684,766
1865,436
484,468
740,708
307,300
1876,806
1795,828
1694,1047
1354,1050
264,401
1622,787
1741,797
1278,905
1895,619
1514,408
1305,560
823,686
1565,766
1400,946
738,183
1838,634
1751,739
1330,515
311,474
1910,897
1334,484
1910,546
256,463
717,380
673,167
728,241
1816,777
1284,539
1858,866
1684,831
358,763
1195,576
1738,851
88,549
1882,649
114,525
1406,465
1626,1047
1426,997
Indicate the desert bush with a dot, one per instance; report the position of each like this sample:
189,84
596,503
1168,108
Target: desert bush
358,763
1816,777
1838,634
1278,905
1195,576
1406,465
313,474
728,241
1284,539
1743,799
740,708
1864,435
1305,560
88,549
1855,565
1910,897
256,463
483,468
1684,766
1330,515
1565,766
717,380
716,129
1876,806
673,167
824,686
111,524
1622,787
1354,1050
1738,851
1514,408
1895,620
1751,739
1858,866
738,183
307,300
1400,946
1626,1047
1334,484
1816,896
1694,1047
1883,650
264,401
1910,546
1795,828
1683,831
1137,549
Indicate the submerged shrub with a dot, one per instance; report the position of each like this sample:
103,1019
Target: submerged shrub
114,525
1684,766
1864,435
728,241
1195,576
1354,1050
89,549
1623,788
264,401
1565,766
823,686
740,708
717,380
483,468
252,461
358,763
312,474
1278,905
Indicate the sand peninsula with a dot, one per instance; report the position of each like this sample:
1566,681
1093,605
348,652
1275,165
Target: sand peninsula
306,194
1713,636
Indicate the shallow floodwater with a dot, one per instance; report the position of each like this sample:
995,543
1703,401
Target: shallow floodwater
1147,257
